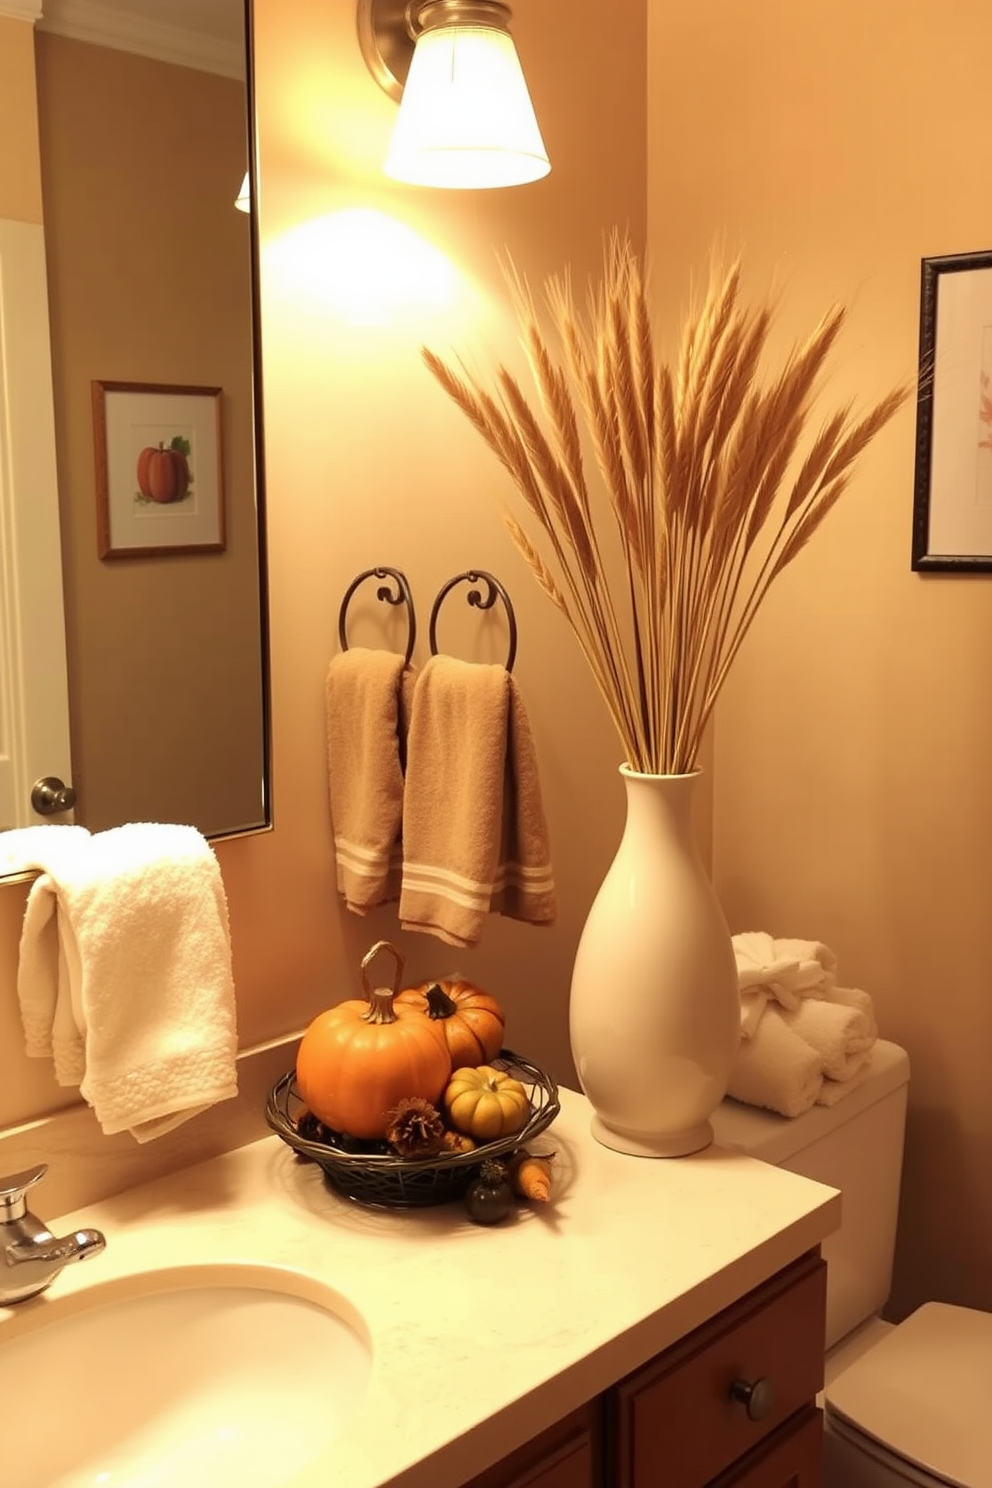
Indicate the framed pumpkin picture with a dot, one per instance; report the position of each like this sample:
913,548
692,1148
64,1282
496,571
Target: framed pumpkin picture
159,469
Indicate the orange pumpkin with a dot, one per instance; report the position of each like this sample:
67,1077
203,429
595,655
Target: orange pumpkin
359,1059
163,474
472,1020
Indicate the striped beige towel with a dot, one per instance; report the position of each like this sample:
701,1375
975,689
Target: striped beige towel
475,838
365,735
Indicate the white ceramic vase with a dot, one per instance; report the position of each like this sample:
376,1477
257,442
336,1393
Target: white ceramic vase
654,1010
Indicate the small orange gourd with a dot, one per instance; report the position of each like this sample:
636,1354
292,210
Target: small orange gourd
530,1175
359,1059
472,1020
485,1103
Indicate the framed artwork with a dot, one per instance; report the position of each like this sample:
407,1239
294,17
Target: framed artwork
952,498
159,469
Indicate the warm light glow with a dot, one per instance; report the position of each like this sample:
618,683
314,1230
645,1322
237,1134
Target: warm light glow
243,199
365,267
466,119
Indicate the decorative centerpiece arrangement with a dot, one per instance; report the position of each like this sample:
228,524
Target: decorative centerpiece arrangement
706,487
407,1097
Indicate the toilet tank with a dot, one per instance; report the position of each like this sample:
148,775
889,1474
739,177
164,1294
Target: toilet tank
855,1146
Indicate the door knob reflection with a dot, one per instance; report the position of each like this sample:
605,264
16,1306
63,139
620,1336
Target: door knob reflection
50,795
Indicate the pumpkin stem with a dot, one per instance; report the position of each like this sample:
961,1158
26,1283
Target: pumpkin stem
439,1004
380,1008
381,945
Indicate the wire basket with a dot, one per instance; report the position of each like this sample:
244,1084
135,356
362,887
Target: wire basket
385,1180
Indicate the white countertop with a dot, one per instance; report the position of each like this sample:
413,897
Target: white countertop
481,1336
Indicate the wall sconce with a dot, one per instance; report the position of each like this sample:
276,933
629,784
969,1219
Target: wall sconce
466,119
243,199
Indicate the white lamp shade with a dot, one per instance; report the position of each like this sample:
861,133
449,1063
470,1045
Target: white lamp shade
243,199
466,119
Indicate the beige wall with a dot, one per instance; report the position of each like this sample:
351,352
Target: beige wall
20,184
150,282
839,145
367,463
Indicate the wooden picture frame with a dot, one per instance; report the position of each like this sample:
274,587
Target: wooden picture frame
159,469
952,497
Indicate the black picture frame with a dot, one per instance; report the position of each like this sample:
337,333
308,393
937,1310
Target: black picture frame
952,494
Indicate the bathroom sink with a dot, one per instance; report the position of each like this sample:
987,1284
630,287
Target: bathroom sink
183,1378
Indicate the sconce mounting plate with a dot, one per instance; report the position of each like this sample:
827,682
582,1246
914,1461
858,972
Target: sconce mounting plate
388,31
386,36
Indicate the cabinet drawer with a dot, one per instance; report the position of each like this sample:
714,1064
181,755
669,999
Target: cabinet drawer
676,1422
790,1458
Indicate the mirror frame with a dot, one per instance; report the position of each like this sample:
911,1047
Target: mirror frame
262,820
258,436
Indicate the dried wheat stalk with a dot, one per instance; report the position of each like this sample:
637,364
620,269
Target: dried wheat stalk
707,487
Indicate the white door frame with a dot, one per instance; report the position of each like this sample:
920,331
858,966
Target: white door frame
34,707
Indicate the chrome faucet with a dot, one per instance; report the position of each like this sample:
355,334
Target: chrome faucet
30,1255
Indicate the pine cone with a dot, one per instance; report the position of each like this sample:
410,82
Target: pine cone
415,1128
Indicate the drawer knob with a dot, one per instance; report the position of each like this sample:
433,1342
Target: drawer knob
757,1396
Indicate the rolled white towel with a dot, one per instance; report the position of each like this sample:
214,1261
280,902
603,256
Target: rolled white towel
833,1091
853,997
777,1069
837,1027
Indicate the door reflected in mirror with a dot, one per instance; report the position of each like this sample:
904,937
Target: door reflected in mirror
152,280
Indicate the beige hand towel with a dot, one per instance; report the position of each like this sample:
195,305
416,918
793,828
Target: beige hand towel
475,839
524,888
776,1069
129,943
366,700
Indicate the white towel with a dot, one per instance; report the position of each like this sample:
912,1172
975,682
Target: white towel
833,1091
815,1054
839,1026
783,971
54,848
776,1069
26,848
125,976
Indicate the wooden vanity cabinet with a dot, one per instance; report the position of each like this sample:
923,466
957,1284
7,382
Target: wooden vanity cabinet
676,1421
730,1406
565,1456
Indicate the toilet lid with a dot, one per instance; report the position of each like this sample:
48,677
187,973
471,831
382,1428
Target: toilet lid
925,1392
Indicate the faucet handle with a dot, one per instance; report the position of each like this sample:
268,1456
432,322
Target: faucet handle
13,1204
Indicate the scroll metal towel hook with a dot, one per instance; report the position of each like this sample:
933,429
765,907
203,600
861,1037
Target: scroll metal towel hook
385,593
479,601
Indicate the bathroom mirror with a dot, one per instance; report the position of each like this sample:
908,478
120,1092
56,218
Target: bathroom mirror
143,116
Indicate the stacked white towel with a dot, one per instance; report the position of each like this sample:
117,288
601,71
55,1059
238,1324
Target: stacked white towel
124,976
804,1039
